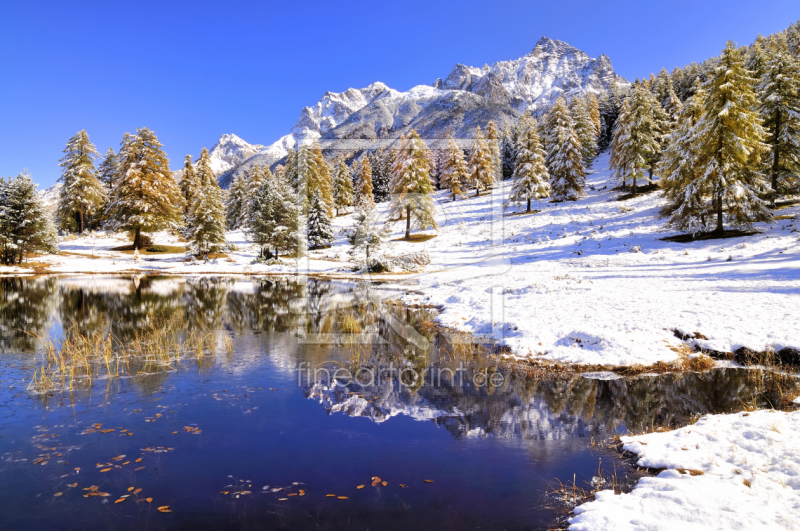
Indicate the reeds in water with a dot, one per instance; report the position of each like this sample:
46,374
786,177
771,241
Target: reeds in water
79,359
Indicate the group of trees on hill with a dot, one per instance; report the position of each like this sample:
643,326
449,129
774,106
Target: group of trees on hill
134,191
721,139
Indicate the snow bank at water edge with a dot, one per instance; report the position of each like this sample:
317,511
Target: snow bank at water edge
738,471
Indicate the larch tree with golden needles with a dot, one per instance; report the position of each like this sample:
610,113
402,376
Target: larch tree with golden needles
481,167
454,174
530,171
146,198
412,186
364,183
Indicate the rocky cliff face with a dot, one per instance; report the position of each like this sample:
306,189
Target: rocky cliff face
467,98
553,68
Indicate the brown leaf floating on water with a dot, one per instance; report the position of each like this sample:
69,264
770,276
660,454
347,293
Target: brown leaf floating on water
428,481
384,483
149,500
105,470
138,468
342,497
137,491
120,500
330,495
72,485
360,487
58,494
138,460
130,489
164,509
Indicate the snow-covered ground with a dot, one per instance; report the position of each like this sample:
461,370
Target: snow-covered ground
585,282
739,471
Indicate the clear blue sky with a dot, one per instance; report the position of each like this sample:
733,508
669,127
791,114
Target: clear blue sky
194,70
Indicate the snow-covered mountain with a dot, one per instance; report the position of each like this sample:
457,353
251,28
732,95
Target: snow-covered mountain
468,97
230,151
553,68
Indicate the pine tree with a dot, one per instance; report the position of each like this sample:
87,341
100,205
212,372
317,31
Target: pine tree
793,40
639,149
756,60
779,95
367,236
454,169
364,183
255,179
235,202
728,140
507,151
672,107
622,126
109,169
593,110
206,212
276,223
412,186
493,140
687,207
290,169
565,156
530,172
584,128
146,197
82,194
188,184
342,186
481,166
319,232
381,162
25,224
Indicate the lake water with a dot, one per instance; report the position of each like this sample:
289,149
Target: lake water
242,439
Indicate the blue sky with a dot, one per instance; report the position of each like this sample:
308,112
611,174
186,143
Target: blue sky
192,71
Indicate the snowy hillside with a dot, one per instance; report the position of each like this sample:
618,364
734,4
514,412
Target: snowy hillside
469,97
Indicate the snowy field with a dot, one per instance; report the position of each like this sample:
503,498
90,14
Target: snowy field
739,471
586,282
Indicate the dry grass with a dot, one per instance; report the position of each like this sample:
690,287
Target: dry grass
77,360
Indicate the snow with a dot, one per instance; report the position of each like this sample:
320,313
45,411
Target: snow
561,284
750,465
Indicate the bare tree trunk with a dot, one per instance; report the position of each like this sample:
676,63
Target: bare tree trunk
775,160
529,204
719,214
137,238
408,222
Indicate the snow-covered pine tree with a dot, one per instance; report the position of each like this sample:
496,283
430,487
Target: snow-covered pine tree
565,159
493,139
82,194
367,237
364,183
412,187
109,169
290,174
728,140
530,172
206,232
255,180
188,185
313,174
622,130
146,197
593,110
672,106
687,206
25,224
276,222
640,148
779,95
234,203
584,128
382,162
319,232
507,151
481,167
793,40
454,170
342,186
610,104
